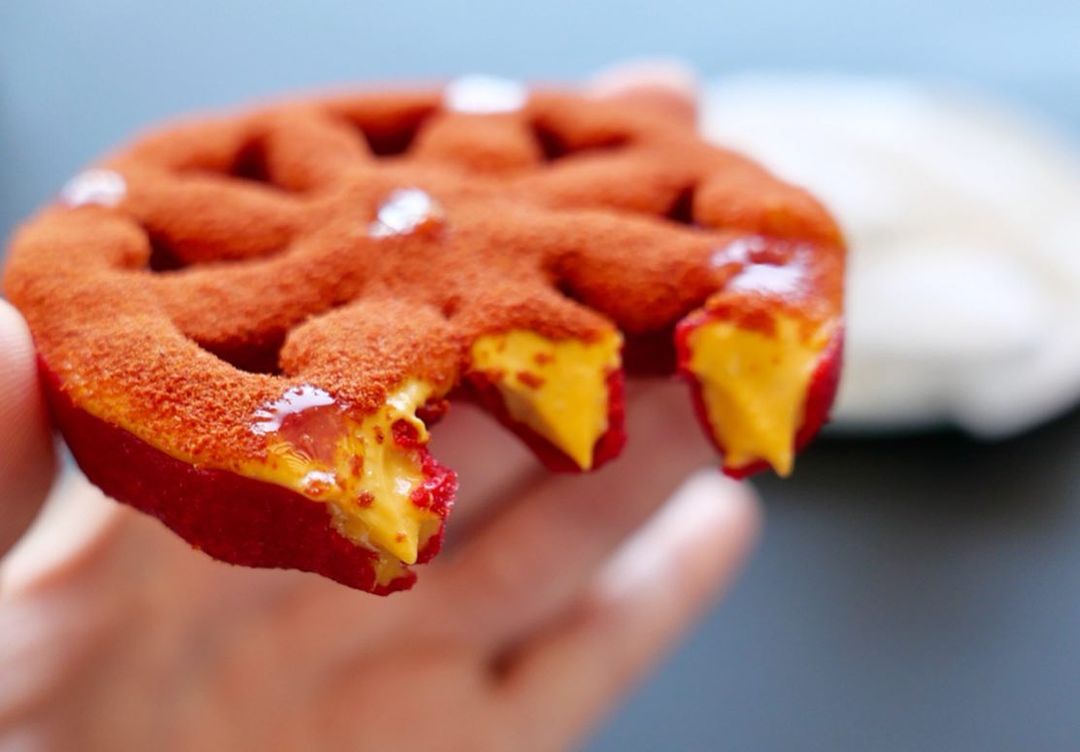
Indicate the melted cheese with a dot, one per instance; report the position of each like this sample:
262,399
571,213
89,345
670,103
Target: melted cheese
558,388
364,476
754,387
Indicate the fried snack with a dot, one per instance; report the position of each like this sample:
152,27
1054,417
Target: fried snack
246,323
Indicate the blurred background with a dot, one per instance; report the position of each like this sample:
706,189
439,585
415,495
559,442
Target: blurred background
914,590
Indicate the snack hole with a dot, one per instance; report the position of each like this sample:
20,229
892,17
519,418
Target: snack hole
682,208
170,254
555,146
250,163
391,137
391,143
258,357
162,257
565,287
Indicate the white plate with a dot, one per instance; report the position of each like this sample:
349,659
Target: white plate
964,224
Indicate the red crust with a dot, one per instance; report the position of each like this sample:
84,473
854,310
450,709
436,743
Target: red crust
230,517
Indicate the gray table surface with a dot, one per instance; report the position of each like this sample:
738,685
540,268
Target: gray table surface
917,593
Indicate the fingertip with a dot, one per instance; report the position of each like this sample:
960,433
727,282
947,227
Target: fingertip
667,83
76,523
27,463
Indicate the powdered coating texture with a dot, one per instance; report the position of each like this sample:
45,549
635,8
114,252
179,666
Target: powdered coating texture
246,257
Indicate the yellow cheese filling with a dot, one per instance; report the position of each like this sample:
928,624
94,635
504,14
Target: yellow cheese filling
356,468
754,387
558,388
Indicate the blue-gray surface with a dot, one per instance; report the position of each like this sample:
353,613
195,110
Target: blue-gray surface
912,594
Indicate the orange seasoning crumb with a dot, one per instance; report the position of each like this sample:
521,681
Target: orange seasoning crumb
530,379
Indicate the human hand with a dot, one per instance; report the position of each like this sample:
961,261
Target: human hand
554,594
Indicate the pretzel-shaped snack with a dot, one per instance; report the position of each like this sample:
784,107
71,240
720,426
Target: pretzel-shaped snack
244,323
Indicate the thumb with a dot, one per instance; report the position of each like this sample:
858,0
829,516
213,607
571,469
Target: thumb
27,463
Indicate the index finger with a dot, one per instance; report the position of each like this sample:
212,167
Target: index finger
534,557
